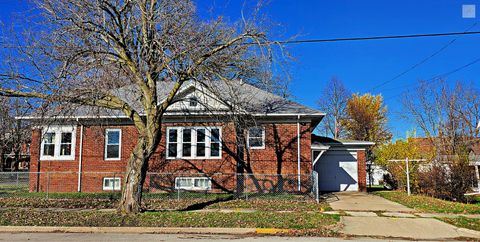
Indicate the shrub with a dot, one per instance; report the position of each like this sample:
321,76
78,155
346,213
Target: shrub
445,180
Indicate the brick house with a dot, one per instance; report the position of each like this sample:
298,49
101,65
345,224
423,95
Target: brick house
87,150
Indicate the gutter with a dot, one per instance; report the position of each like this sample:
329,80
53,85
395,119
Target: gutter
80,156
177,114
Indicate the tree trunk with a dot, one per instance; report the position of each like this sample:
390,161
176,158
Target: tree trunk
135,177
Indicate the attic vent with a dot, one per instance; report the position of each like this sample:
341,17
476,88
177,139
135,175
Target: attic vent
193,102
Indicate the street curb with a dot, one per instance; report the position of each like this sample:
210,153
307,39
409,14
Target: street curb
139,230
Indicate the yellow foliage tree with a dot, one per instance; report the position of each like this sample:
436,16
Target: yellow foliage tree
366,119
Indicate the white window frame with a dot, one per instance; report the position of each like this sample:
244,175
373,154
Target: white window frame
112,188
58,130
263,139
193,187
193,154
119,144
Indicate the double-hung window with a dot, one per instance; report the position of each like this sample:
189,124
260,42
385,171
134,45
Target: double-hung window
58,143
113,141
194,142
256,138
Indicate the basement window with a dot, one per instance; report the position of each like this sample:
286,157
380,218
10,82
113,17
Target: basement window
111,184
193,183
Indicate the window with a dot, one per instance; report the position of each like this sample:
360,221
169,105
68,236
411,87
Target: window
193,183
187,142
193,102
172,143
256,138
49,144
194,142
201,139
215,142
58,143
111,184
113,139
66,144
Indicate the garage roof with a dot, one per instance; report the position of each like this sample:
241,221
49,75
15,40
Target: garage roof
322,142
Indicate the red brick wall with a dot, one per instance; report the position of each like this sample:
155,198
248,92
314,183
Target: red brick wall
362,171
280,148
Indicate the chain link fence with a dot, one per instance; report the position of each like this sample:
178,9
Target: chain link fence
178,186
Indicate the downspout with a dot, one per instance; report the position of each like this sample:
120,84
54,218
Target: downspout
80,156
298,152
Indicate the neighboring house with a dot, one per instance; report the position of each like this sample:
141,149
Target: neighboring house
426,146
200,134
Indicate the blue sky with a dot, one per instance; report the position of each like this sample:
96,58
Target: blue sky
365,64
360,65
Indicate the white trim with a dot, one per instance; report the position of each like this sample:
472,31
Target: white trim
119,144
193,142
112,188
263,138
180,114
58,130
193,187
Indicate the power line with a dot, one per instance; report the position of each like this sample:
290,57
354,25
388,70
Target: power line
305,41
373,38
421,62
438,77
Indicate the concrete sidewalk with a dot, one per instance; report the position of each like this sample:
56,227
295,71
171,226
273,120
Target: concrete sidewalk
374,216
412,228
359,201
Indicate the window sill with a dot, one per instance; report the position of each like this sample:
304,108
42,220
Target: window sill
112,159
194,158
57,158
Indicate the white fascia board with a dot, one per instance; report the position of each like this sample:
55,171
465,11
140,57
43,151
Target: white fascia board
319,147
179,114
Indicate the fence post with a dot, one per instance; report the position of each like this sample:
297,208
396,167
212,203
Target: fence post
17,178
178,194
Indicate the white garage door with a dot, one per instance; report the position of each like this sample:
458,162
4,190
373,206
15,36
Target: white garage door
337,171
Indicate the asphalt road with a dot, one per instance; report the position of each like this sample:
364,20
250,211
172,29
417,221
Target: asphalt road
73,237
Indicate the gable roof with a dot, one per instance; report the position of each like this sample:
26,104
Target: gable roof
243,96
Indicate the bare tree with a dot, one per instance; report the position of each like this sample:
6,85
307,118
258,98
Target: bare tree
334,102
97,52
13,134
6,127
446,114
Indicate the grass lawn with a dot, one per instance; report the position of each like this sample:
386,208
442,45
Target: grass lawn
430,204
165,204
469,223
312,223
12,196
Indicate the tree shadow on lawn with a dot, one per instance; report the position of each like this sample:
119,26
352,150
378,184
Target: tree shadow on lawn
198,206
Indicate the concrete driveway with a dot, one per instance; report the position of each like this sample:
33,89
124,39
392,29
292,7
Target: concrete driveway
360,201
371,215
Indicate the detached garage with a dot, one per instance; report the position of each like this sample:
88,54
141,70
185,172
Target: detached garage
339,165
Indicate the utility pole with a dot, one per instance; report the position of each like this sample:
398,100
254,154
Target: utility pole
407,170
